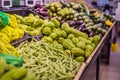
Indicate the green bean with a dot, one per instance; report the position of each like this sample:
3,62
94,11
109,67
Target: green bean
48,61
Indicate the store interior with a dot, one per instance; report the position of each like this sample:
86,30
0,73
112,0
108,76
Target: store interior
59,39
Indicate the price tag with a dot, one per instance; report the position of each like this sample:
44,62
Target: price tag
6,3
30,3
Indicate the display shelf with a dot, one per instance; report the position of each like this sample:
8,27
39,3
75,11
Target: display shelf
94,58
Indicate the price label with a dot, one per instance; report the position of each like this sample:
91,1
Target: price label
30,3
6,3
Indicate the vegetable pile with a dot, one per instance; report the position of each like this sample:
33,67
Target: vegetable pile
80,17
48,61
42,10
30,24
70,32
11,31
72,40
10,72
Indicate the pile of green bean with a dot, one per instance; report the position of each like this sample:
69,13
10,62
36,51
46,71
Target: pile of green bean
48,61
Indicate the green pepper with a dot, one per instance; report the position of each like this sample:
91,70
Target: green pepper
88,50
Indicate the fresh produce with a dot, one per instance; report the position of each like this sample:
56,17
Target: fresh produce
80,59
88,50
7,48
9,72
9,34
11,31
72,40
67,44
77,52
96,39
48,61
42,10
46,30
56,22
31,24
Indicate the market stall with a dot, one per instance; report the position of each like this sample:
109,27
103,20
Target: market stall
55,43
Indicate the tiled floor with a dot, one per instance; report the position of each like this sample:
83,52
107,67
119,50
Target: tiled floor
112,71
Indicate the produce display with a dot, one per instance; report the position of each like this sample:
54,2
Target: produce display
42,10
48,61
69,34
7,48
10,72
80,17
30,24
11,31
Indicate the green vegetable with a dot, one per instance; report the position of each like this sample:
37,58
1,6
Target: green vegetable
48,61
64,34
53,35
47,39
91,39
60,40
37,23
49,24
29,20
67,44
10,72
16,74
81,44
96,39
70,36
75,40
56,22
80,59
78,33
46,30
77,52
67,51
80,38
20,18
88,50
65,26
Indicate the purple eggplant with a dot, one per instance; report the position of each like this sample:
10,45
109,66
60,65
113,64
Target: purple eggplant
78,22
62,21
80,28
82,25
72,23
89,31
44,13
91,34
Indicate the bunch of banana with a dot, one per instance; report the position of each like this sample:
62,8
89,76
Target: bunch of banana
6,47
9,34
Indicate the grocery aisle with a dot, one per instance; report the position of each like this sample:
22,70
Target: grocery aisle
112,72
